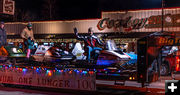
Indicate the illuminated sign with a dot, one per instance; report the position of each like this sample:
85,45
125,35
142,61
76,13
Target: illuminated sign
169,21
130,23
7,6
169,41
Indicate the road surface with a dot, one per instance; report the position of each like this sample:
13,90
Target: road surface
104,87
11,90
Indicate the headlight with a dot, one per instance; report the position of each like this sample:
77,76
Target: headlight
14,50
66,52
19,51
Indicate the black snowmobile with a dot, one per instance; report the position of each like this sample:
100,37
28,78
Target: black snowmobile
11,55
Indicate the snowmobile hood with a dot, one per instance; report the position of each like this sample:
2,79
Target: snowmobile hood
123,56
41,50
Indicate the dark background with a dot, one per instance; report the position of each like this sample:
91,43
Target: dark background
39,10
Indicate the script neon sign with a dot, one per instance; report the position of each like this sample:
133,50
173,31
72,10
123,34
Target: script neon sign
128,24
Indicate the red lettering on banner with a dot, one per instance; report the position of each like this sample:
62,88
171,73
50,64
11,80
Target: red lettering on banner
60,83
55,83
49,81
30,80
85,84
25,80
78,83
38,81
92,84
43,81
67,83
7,79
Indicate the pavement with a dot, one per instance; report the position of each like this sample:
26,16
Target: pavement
157,87
24,91
36,91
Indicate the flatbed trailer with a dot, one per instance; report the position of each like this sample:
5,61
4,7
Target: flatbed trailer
141,72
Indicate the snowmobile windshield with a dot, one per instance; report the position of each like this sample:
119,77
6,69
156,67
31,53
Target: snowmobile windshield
110,45
168,50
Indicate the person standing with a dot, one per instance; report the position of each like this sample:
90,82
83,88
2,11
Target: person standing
28,38
3,39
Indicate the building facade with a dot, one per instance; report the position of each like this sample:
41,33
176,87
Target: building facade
124,27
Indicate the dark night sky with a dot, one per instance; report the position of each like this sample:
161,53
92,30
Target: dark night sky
79,9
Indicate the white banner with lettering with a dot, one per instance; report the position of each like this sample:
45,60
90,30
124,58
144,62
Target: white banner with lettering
66,79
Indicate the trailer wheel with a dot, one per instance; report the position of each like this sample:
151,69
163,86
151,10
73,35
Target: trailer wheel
164,69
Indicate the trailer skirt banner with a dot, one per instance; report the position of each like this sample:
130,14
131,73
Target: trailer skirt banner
66,79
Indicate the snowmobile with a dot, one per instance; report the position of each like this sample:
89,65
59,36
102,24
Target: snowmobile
11,55
52,55
109,57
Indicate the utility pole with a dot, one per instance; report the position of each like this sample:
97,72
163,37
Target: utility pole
50,9
162,19
160,59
